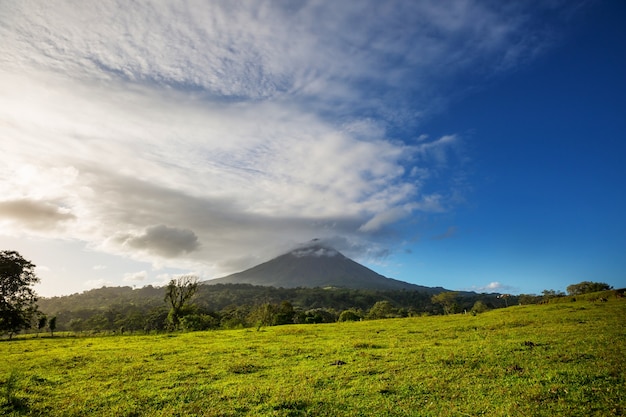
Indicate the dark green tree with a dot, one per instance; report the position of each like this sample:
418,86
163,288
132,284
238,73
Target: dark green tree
197,322
447,299
41,323
263,315
350,315
479,307
178,293
382,310
156,320
284,314
319,315
549,294
586,287
52,325
76,325
18,301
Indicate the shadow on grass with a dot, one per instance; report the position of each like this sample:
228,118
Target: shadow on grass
16,406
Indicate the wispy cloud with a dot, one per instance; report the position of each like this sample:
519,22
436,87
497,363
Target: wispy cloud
136,276
213,134
494,286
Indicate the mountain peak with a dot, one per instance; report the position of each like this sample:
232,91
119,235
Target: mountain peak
314,264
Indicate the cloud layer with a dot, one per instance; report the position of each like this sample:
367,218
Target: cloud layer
211,136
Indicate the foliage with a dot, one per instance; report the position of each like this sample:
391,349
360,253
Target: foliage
525,299
479,307
536,360
52,325
382,310
197,322
111,309
18,301
177,293
448,301
550,294
586,287
42,322
319,315
351,315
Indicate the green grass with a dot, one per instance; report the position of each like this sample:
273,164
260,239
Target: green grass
540,360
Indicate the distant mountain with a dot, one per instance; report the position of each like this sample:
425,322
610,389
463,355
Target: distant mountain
317,265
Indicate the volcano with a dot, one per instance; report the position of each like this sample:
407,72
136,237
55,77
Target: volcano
317,265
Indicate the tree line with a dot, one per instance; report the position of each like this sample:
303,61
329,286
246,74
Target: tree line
187,304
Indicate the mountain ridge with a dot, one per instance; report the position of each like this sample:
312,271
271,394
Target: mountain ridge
317,265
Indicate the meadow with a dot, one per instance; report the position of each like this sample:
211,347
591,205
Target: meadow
565,359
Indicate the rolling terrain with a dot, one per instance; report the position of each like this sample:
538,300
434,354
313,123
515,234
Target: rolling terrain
564,358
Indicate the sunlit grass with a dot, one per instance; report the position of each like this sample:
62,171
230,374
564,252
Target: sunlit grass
556,359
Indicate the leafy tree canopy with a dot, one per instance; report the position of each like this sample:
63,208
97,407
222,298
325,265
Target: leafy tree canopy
17,298
447,299
177,293
586,287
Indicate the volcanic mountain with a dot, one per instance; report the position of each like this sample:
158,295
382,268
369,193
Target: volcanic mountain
316,265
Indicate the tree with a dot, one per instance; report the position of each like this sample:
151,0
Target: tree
156,319
198,322
586,287
263,315
479,307
284,314
18,301
52,325
177,293
549,294
447,300
350,315
41,323
505,297
382,310
76,325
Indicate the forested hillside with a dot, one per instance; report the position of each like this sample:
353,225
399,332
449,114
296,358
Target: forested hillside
243,305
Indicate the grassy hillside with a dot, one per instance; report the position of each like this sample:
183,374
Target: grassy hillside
538,360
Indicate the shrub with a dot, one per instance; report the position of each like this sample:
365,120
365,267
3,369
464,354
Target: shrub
197,322
479,307
350,315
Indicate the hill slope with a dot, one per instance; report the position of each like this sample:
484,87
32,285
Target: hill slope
541,360
316,265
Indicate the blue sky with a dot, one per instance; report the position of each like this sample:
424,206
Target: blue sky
469,145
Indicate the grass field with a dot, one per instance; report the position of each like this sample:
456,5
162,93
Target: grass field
563,359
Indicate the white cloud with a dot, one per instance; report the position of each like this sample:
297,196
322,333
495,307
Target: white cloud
207,137
494,286
385,218
136,276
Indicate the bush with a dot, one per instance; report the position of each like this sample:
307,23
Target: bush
350,315
198,322
587,287
382,310
479,307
